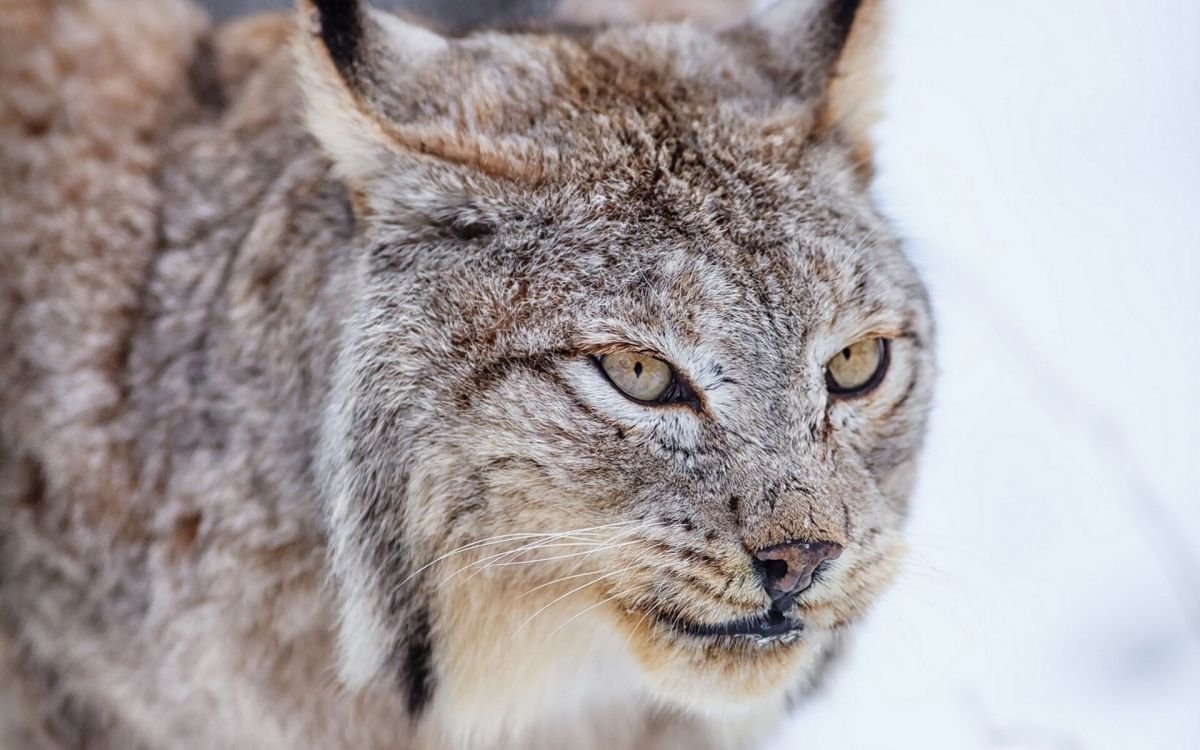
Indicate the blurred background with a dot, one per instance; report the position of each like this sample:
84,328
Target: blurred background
1043,158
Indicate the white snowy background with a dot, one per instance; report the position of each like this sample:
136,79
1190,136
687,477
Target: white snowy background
1043,158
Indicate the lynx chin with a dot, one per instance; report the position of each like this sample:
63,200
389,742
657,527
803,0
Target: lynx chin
369,387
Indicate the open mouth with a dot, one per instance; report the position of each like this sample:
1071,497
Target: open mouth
772,626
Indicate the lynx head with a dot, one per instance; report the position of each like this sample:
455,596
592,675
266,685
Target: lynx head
635,374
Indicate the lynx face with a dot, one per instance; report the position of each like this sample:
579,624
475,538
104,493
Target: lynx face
636,374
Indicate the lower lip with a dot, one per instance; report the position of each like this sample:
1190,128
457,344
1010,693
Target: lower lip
773,627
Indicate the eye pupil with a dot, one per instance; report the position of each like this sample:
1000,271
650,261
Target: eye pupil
642,377
846,353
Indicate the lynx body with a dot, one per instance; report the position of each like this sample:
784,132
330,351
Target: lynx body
314,431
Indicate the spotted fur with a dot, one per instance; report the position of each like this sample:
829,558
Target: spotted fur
303,440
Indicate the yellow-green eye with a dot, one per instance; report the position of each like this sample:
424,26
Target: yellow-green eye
639,376
858,368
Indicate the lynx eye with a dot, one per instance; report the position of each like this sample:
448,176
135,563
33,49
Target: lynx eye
639,376
858,368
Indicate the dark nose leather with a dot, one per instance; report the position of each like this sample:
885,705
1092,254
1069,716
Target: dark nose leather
787,569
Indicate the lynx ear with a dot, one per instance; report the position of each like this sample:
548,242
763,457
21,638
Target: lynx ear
380,90
341,48
827,52
857,85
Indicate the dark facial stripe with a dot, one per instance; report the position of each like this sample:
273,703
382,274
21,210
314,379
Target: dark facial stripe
488,374
540,364
901,401
417,673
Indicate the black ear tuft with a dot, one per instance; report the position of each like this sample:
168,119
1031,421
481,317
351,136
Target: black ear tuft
842,16
838,21
341,24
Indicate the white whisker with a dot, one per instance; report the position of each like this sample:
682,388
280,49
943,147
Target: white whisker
629,637
583,612
559,580
540,540
558,599
500,539
604,546
563,557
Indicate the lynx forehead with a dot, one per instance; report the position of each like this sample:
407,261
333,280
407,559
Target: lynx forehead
523,389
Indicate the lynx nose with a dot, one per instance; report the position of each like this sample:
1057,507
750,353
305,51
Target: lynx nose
787,569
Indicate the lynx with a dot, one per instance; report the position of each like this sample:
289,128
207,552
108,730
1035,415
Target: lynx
368,387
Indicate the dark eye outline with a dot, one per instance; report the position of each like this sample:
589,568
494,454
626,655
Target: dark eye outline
679,392
885,349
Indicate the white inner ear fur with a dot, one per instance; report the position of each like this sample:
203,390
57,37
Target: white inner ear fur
351,138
